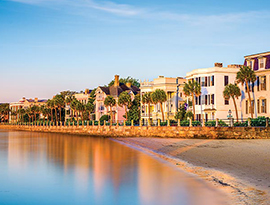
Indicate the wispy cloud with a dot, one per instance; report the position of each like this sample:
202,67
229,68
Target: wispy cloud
147,13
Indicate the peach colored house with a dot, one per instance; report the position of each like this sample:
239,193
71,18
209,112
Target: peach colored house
114,90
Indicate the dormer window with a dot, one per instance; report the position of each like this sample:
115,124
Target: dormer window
261,63
250,64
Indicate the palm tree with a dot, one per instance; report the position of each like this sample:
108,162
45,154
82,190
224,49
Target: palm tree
50,105
89,108
146,99
21,112
232,91
192,88
29,113
124,99
246,76
14,113
159,96
60,103
73,106
80,109
45,111
35,110
110,102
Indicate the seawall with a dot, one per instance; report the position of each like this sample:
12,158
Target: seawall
161,131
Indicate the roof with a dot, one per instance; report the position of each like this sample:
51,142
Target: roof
115,91
257,54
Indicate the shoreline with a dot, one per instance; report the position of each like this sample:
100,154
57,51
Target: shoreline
239,189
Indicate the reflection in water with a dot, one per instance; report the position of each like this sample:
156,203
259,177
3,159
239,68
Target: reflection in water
43,168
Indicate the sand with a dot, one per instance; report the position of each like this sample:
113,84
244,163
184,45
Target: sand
239,167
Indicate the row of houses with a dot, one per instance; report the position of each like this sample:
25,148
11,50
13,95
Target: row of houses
209,105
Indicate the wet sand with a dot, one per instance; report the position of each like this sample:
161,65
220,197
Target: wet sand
239,167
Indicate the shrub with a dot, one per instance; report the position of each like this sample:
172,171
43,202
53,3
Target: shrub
196,123
184,123
212,123
104,117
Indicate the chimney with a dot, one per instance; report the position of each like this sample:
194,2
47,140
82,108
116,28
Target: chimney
219,65
36,99
234,66
128,84
116,80
86,91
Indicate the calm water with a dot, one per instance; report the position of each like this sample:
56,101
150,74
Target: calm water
38,168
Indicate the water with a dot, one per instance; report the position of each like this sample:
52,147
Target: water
41,168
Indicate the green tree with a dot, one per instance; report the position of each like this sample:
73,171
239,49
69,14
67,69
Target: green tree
147,99
110,102
45,111
29,113
89,108
80,108
21,112
34,110
246,76
192,88
180,114
232,91
50,103
134,110
59,103
129,79
124,100
159,96
4,112
73,106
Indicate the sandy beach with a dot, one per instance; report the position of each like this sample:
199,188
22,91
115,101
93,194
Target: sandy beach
241,168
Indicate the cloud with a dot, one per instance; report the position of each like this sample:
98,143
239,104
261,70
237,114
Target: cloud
147,13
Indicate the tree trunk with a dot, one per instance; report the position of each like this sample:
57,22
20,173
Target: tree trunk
162,111
235,108
249,97
149,111
56,118
51,115
125,111
60,114
111,115
35,114
193,105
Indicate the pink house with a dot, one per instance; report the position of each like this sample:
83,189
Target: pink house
114,90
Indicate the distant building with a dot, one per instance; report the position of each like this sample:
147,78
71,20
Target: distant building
83,98
260,96
23,103
173,87
114,90
211,103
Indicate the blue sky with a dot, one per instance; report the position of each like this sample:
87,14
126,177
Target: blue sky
51,45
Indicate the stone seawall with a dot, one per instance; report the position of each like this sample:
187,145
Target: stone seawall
144,131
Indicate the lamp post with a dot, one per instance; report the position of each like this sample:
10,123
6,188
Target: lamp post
230,117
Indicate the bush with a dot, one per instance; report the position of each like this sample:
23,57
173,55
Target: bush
104,117
184,123
212,123
196,123
258,122
240,124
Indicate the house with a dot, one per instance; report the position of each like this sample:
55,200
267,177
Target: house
260,96
211,103
23,103
173,88
115,90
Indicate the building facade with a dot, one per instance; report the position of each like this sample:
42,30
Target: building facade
211,103
114,91
173,88
260,96
23,103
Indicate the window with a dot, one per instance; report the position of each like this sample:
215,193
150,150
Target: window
212,80
199,100
198,117
226,102
213,99
226,80
252,104
263,82
203,99
261,63
263,108
258,83
181,95
206,99
258,106
203,81
250,64
196,100
209,82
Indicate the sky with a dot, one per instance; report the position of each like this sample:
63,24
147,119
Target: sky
47,46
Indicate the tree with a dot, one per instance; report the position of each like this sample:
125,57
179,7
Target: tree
50,104
110,102
45,111
134,109
29,113
67,93
34,110
59,103
89,108
124,100
147,99
246,76
180,114
4,112
21,112
80,109
159,96
129,79
232,91
73,106
192,88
